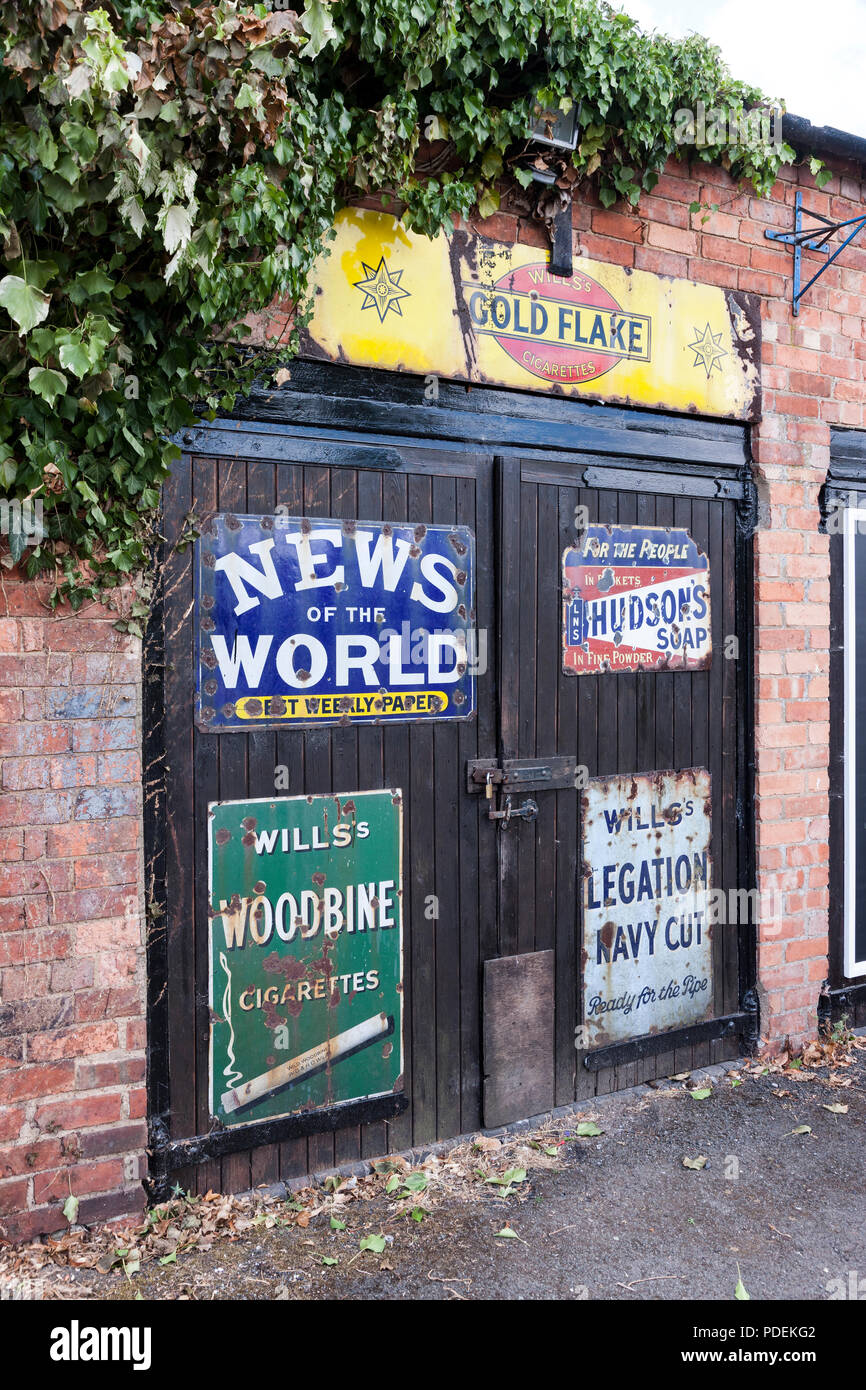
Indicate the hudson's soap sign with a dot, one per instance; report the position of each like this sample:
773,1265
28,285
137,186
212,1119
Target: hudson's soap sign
635,599
477,310
306,622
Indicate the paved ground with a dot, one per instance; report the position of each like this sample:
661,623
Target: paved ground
618,1218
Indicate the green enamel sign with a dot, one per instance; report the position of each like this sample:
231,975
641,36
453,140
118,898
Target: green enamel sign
306,952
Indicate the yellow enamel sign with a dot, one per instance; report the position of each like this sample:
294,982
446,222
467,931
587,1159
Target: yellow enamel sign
478,310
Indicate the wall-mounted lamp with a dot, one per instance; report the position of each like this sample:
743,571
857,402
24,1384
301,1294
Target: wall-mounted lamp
557,131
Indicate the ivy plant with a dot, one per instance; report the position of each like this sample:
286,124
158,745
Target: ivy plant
168,171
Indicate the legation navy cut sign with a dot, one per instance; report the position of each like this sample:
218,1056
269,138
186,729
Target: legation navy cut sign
635,599
306,952
313,621
646,874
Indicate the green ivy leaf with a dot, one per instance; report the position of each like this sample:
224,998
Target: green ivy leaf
76,358
318,23
47,383
488,203
25,304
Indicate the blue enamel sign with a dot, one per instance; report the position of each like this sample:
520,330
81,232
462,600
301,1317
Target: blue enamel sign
313,621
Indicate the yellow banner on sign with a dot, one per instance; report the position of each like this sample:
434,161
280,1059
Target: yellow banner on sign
386,704
477,310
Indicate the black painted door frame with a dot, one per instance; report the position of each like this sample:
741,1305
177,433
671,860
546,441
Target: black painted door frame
346,443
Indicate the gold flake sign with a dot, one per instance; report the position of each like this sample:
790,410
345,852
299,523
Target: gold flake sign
476,310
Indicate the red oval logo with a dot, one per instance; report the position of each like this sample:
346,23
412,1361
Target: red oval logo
563,331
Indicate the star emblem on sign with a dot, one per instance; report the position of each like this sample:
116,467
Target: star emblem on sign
708,353
381,289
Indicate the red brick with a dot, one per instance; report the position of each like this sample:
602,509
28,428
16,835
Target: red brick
499,227
92,1076
603,249
74,771
80,1181
100,870
11,1122
21,1160
616,224
82,1041
138,1103
660,262
115,1139
93,837
672,239
13,1195
19,948
79,1112
34,1081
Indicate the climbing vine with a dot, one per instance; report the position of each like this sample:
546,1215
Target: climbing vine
168,170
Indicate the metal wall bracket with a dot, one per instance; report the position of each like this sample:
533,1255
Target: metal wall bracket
814,238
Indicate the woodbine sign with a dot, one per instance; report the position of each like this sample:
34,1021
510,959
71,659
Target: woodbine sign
306,952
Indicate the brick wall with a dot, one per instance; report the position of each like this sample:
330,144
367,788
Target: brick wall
72,1033
72,1101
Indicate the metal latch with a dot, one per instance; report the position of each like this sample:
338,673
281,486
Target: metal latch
520,774
527,811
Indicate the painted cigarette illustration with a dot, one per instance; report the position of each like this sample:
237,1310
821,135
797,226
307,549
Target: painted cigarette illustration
333,1050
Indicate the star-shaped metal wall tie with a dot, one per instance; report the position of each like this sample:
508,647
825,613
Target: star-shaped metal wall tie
381,289
707,351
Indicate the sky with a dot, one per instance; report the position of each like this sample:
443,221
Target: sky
811,55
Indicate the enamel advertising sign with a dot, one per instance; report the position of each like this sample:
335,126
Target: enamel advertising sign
635,599
306,953
646,872
309,622
477,310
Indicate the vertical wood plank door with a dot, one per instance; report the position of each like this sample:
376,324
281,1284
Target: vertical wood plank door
637,722
444,858
475,889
